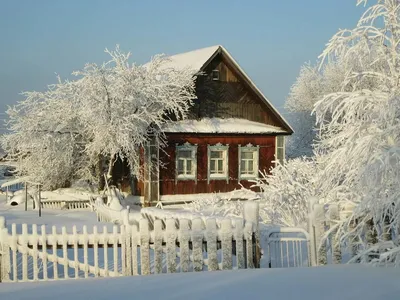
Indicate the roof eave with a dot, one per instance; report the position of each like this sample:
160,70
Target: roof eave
229,133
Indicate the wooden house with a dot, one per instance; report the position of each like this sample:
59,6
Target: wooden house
232,133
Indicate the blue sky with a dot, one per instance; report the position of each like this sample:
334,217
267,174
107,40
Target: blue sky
270,39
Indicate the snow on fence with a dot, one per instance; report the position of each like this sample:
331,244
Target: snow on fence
34,254
14,184
107,214
153,213
66,204
14,187
325,246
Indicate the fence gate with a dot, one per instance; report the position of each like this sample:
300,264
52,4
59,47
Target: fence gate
287,248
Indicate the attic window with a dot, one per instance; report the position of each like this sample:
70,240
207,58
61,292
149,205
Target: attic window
215,75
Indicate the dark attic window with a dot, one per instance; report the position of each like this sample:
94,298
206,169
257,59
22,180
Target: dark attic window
215,74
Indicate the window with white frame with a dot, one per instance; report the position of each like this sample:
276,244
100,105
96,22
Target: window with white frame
280,148
186,162
218,162
248,161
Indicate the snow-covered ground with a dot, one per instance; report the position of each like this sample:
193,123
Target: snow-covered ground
328,283
50,217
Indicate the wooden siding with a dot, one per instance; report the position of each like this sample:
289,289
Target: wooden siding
168,185
228,97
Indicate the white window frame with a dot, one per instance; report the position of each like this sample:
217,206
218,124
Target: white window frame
256,151
225,149
280,159
186,147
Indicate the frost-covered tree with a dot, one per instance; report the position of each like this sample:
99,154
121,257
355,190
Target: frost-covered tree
359,126
312,84
108,112
300,143
122,104
45,136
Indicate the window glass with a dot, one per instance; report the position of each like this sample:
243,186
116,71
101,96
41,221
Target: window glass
247,155
216,154
186,162
280,148
248,162
218,162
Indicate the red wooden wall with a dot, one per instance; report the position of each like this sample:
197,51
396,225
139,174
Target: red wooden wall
168,185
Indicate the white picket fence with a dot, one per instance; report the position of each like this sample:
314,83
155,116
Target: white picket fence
34,254
285,246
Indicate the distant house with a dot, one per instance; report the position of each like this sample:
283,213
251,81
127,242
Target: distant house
232,133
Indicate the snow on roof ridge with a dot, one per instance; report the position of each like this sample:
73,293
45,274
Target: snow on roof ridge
194,59
214,47
220,125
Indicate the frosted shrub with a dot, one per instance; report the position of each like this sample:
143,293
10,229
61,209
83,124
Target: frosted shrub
216,205
285,192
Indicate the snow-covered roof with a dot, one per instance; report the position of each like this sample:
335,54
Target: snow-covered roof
195,59
216,125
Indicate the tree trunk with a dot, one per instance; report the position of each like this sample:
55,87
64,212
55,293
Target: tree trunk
100,172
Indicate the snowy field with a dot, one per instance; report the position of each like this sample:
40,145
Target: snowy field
327,283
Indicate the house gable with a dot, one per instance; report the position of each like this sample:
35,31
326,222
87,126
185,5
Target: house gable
233,95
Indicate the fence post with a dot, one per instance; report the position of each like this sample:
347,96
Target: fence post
2,226
335,241
4,251
251,213
26,196
125,216
319,229
313,245
40,201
